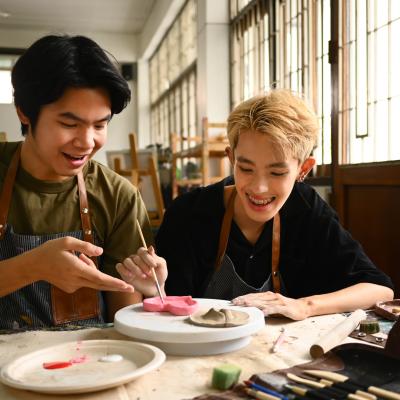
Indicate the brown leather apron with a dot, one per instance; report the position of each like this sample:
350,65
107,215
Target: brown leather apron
223,262
84,303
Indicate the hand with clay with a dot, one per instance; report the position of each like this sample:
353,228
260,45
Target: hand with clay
271,303
136,270
55,262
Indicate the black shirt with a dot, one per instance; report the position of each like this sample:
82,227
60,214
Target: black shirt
317,254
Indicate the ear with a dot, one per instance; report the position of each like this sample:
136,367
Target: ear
305,168
231,156
22,117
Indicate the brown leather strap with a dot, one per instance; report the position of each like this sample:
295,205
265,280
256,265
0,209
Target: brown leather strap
225,229
276,238
84,212
83,303
6,193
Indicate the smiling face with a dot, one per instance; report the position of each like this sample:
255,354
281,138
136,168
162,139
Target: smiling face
264,176
67,134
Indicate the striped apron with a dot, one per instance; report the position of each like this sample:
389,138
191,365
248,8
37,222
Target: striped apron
41,304
225,282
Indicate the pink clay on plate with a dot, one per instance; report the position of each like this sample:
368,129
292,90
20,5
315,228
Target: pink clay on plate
177,305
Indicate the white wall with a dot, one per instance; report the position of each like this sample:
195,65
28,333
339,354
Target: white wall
162,16
213,57
123,47
212,61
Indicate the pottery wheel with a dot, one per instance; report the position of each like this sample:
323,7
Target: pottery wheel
176,335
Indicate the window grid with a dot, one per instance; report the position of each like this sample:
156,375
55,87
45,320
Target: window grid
250,50
173,78
290,50
371,88
322,88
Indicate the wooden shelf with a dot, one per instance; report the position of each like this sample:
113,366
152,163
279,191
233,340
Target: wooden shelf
198,181
204,148
216,148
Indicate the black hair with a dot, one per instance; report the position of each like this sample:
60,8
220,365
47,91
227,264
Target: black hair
55,63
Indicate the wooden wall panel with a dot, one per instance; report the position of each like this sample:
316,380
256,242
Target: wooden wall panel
372,215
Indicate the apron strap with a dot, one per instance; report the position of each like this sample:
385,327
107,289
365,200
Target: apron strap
84,213
276,239
82,304
6,193
225,229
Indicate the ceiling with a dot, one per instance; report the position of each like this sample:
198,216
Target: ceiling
108,16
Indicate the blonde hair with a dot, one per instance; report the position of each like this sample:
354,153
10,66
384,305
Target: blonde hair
281,115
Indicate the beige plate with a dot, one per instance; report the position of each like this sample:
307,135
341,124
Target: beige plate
27,372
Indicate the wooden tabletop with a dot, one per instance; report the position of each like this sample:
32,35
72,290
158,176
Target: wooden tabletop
178,377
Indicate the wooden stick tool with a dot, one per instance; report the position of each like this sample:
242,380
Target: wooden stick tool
152,269
347,392
337,334
335,377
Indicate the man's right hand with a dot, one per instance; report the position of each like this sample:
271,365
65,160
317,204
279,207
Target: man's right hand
55,262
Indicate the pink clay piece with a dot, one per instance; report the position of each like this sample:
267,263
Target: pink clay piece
177,305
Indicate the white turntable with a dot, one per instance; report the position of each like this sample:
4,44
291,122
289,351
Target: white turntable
176,336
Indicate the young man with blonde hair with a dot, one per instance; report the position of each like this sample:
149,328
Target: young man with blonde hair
265,239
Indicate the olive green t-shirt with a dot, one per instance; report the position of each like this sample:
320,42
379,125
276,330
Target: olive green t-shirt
42,207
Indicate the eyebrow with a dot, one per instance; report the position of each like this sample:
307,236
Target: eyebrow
74,117
279,164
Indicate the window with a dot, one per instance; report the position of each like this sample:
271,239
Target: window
173,79
370,84
320,80
284,44
7,61
250,50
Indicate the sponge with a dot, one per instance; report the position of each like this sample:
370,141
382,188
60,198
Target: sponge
225,376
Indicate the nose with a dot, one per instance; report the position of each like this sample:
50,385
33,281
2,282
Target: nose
85,138
260,184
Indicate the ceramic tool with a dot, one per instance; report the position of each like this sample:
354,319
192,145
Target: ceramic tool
335,377
258,395
321,394
337,334
360,395
152,269
255,386
349,387
279,341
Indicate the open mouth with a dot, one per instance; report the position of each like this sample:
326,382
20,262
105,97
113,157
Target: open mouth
260,202
74,157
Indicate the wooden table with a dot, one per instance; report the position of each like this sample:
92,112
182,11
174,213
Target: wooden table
178,377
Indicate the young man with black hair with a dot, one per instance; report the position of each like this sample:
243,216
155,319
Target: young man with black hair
65,220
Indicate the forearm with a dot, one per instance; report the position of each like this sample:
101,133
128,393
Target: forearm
15,273
361,295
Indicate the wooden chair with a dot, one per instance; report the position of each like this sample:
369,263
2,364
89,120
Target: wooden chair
143,173
203,148
3,137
